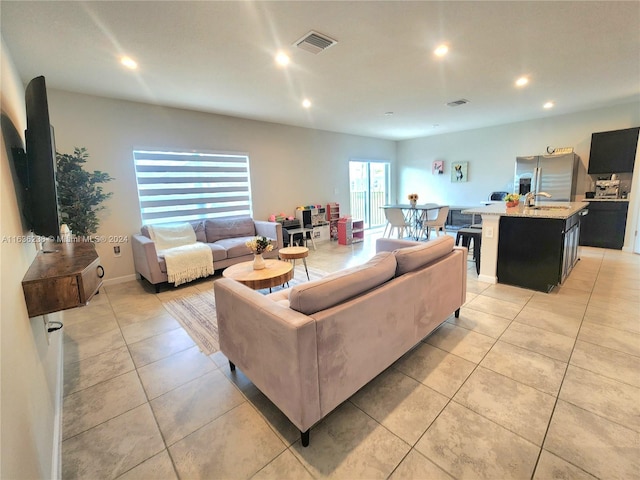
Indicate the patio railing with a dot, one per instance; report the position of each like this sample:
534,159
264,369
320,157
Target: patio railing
358,208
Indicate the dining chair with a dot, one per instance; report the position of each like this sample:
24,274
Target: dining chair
430,212
395,219
438,224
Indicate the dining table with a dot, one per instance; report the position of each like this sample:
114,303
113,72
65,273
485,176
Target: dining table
413,214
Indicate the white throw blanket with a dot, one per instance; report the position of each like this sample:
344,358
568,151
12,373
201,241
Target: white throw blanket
186,258
172,235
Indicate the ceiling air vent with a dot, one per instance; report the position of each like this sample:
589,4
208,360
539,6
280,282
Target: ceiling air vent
315,42
457,103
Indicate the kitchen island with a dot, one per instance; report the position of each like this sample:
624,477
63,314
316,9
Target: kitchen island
533,247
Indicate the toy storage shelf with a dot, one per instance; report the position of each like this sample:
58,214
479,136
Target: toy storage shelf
350,231
333,215
358,231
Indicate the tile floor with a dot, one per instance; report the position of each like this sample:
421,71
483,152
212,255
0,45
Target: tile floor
523,385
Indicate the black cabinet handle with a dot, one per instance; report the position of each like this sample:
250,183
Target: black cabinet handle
100,271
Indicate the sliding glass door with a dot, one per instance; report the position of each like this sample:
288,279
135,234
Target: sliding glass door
369,188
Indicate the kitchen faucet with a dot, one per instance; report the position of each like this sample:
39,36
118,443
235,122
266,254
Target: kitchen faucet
530,198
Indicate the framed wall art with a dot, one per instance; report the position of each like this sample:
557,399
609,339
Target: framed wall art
459,172
438,167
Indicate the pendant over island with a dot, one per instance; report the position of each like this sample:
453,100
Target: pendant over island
531,247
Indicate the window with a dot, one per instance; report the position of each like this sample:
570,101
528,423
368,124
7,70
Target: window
184,186
369,188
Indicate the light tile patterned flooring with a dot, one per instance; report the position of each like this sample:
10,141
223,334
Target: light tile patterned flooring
522,385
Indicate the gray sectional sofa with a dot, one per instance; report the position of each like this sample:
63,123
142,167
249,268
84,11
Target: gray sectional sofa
310,347
225,236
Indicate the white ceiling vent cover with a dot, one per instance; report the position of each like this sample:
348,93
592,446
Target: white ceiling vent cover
457,103
315,42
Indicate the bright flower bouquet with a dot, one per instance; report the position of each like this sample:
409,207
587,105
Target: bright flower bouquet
513,199
259,245
413,197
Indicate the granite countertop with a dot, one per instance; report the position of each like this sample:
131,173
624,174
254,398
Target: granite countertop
560,210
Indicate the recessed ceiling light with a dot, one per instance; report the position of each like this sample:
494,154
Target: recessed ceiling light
522,81
282,59
549,105
442,50
388,114
129,62
306,103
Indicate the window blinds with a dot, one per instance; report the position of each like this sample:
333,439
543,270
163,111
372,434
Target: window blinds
184,186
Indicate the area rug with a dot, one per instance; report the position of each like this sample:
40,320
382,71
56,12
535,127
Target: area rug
197,312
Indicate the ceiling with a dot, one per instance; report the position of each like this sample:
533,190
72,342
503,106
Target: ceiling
218,57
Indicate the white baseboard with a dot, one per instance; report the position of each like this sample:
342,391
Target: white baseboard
487,279
56,454
125,278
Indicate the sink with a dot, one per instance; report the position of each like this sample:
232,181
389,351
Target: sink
549,207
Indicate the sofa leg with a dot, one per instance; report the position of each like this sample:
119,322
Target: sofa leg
304,438
157,285
457,314
232,366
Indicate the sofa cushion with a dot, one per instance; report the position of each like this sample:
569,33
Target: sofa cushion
198,227
312,297
235,247
412,258
218,251
229,227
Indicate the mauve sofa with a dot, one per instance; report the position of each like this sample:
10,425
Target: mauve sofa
225,236
310,347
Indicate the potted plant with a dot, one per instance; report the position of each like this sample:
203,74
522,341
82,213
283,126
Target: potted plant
258,246
513,199
80,193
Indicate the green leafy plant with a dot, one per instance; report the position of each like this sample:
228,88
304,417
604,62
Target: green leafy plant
80,193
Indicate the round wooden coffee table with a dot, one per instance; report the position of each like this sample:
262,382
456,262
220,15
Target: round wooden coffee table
276,272
293,253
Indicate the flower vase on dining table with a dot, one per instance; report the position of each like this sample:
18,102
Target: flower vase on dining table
258,262
413,203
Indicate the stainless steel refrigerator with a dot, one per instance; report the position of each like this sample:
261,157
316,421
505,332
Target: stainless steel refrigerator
554,174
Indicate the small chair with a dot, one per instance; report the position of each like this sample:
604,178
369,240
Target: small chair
395,219
438,224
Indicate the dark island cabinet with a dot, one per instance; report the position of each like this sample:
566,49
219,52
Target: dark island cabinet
537,253
605,225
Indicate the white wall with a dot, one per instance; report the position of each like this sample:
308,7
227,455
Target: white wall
491,153
30,374
290,166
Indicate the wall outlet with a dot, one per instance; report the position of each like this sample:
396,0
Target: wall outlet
116,251
489,232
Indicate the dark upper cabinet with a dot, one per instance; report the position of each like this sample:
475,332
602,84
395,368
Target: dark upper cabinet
614,151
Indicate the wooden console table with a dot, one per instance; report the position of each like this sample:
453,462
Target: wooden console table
62,276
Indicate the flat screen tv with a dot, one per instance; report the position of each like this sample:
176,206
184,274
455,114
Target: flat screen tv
41,200
613,151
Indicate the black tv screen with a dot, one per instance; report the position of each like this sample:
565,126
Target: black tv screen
42,199
614,151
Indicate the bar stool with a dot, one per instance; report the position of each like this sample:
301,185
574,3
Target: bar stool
466,235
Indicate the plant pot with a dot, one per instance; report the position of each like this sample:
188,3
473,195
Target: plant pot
258,262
